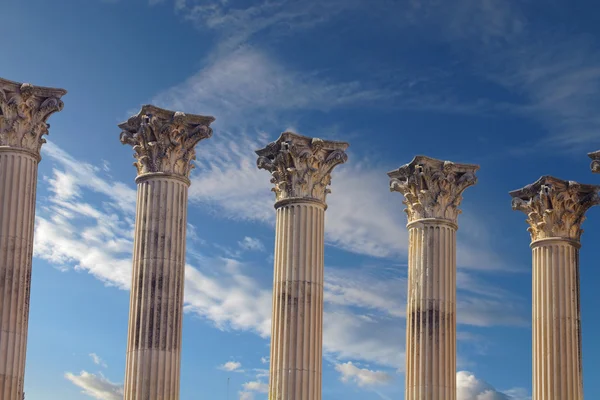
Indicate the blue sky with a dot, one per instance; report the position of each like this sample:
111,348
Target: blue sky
510,85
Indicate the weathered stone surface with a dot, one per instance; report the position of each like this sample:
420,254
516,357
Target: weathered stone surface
24,110
300,169
164,147
432,192
165,141
432,188
555,208
595,165
301,166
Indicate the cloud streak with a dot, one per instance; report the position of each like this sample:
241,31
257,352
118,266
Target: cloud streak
96,386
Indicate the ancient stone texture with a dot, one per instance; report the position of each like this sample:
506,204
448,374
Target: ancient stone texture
556,209
595,165
300,169
433,191
301,166
164,145
432,188
24,109
165,141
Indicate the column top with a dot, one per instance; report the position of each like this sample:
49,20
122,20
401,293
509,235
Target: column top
595,165
432,188
24,110
164,141
555,208
301,166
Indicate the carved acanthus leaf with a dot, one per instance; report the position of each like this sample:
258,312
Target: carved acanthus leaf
300,166
24,110
555,208
165,141
432,188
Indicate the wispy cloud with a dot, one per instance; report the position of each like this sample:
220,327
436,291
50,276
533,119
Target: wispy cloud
238,22
96,386
248,81
232,366
362,376
97,360
253,244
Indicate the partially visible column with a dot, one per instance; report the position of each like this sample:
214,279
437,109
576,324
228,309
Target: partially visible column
595,165
24,109
555,210
432,192
164,145
301,172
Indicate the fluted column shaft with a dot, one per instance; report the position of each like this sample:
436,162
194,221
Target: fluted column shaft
557,367
431,311
297,326
18,179
156,303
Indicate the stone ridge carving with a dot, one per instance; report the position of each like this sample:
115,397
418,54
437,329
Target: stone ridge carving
432,188
24,109
555,208
164,141
300,166
595,166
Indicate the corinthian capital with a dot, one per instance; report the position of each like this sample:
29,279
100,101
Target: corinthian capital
24,109
595,166
300,166
165,141
555,208
432,188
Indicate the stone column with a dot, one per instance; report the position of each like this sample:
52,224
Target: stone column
433,191
595,165
555,211
24,109
301,172
164,146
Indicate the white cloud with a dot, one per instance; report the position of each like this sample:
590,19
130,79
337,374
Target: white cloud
350,335
383,291
253,244
256,386
362,376
231,299
96,386
469,387
97,360
232,366
246,396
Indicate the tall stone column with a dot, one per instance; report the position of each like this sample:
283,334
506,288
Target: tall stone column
555,210
432,191
301,169
164,146
24,109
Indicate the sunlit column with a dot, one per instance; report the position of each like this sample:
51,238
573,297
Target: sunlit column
300,169
24,109
432,191
164,146
555,210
